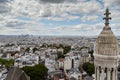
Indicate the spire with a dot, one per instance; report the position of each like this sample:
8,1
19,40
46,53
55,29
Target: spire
107,18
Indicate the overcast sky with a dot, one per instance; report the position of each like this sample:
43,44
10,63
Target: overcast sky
57,17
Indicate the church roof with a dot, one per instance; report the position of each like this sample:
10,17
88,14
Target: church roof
17,74
106,43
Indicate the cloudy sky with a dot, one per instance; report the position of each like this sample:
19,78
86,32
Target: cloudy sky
57,17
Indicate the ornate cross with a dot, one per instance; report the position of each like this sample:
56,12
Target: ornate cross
107,18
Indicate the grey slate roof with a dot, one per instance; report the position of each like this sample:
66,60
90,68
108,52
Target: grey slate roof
17,74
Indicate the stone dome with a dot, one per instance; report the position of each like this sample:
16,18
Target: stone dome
106,43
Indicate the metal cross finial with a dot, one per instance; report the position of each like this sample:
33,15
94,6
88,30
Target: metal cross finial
107,18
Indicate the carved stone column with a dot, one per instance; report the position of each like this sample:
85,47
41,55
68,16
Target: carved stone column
98,73
95,73
113,74
116,74
103,75
108,74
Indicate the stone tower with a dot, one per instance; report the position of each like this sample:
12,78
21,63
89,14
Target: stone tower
106,53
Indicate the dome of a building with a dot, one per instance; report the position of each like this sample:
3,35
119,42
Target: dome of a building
106,43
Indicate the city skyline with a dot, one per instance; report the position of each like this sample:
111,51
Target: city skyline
57,17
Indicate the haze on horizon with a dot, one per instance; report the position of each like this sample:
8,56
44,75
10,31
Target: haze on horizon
57,17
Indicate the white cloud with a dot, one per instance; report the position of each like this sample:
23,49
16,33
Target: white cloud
34,9
63,17
112,3
89,18
40,29
83,29
53,1
4,6
115,15
65,10
84,7
80,29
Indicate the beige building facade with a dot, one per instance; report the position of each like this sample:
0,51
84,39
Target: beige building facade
106,53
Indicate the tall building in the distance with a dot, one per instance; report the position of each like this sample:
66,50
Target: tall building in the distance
106,53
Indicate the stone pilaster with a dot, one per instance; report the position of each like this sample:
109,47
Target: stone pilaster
116,74
95,73
108,74
102,74
98,73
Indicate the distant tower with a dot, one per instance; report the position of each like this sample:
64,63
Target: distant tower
106,53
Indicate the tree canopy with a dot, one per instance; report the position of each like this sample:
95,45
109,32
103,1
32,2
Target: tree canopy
89,68
37,72
60,56
7,63
35,49
27,49
119,68
66,49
